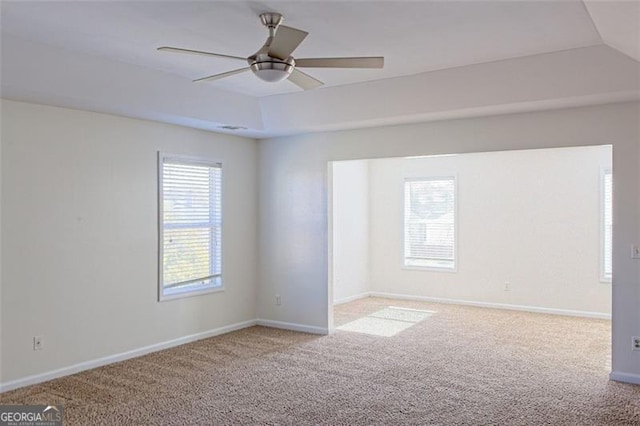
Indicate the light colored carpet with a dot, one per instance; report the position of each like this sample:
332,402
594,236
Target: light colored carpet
456,366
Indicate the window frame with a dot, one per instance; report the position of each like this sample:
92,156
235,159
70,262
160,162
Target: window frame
186,159
454,268
604,277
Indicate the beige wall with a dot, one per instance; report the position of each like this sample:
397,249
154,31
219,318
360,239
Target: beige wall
527,218
79,201
294,189
79,236
350,225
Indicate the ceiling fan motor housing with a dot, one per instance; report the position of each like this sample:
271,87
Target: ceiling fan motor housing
271,69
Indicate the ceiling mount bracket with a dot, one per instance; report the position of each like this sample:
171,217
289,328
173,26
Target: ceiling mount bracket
271,20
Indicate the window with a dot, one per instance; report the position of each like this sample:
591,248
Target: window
607,225
190,223
429,223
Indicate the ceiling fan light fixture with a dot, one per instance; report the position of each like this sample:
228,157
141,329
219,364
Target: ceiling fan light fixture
272,71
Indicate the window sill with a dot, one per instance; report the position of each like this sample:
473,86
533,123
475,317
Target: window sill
166,297
429,269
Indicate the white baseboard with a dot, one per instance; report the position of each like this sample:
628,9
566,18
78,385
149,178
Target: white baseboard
291,326
625,377
351,298
88,365
553,311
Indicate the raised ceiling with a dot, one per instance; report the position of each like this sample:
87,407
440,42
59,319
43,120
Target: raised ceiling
102,55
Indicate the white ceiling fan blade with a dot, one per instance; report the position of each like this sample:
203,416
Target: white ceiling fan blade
197,52
304,81
361,62
285,42
221,75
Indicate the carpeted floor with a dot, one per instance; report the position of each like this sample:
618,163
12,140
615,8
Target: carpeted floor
456,366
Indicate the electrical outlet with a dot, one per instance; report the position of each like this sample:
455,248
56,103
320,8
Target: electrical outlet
507,286
38,343
636,343
278,300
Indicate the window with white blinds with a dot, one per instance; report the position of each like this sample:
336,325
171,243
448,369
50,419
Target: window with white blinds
190,226
430,223
607,225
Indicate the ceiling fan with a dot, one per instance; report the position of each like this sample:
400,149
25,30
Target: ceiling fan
273,62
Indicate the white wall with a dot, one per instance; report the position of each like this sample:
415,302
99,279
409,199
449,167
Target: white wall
79,236
1,327
293,200
528,218
350,229
79,202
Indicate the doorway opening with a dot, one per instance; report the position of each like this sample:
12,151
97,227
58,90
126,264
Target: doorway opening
526,230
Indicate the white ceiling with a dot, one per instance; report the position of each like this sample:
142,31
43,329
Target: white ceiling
414,37
88,39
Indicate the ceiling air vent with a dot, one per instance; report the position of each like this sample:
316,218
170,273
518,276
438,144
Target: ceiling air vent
230,127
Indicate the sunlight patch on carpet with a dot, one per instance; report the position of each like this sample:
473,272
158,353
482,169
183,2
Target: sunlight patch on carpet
387,322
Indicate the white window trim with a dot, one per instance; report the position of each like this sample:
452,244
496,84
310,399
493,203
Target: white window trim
604,278
193,160
456,259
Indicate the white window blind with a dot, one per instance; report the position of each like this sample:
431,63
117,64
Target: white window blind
429,223
607,225
191,226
